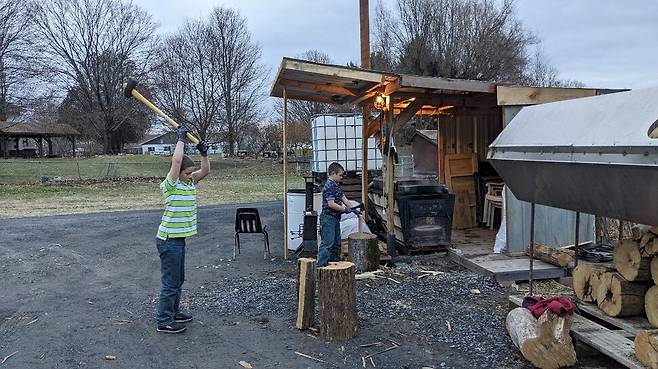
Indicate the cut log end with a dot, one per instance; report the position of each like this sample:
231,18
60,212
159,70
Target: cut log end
586,279
654,269
618,297
630,263
337,265
646,348
651,305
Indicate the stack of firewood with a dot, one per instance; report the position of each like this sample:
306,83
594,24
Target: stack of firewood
625,288
629,287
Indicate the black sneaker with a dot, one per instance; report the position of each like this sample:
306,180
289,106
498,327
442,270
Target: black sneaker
173,327
182,318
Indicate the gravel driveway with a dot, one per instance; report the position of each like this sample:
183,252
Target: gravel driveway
79,290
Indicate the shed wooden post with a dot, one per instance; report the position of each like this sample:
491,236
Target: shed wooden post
440,150
364,170
364,22
390,176
285,175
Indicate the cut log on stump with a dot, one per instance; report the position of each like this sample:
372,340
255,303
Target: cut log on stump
384,257
363,251
618,297
630,263
586,280
560,257
337,301
646,348
545,342
651,305
305,293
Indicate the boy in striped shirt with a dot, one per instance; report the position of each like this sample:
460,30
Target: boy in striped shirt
178,222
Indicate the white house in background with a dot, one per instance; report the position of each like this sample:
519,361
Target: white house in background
164,144
159,144
215,148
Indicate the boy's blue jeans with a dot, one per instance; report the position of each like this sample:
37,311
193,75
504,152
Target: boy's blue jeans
172,271
329,249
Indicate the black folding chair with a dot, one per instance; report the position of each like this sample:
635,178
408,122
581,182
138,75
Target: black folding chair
247,220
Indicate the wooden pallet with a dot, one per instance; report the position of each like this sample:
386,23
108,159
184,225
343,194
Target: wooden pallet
616,344
630,325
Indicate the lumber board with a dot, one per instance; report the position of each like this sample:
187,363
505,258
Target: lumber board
609,343
441,83
520,95
506,268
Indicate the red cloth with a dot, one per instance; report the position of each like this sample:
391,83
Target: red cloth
538,305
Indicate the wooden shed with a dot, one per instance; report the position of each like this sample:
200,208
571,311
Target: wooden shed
468,113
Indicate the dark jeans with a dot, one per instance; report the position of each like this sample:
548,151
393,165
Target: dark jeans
172,271
329,249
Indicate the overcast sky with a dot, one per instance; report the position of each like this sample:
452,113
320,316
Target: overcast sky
602,43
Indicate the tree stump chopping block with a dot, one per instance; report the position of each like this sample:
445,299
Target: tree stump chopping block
305,293
337,301
363,251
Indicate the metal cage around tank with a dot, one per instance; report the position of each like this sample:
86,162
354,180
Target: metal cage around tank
337,138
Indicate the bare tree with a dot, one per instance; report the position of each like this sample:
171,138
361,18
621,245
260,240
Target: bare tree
300,111
16,54
211,77
92,46
188,79
243,76
273,137
470,39
453,38
541,73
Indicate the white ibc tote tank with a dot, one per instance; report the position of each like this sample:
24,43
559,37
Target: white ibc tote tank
296,206
337,138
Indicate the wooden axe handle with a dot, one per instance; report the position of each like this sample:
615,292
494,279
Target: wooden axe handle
162,115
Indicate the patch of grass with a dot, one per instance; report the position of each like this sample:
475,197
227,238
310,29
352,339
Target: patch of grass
231,181
34,170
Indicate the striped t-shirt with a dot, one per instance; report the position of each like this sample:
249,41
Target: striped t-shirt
179,218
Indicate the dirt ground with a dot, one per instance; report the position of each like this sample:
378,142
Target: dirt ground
78,288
